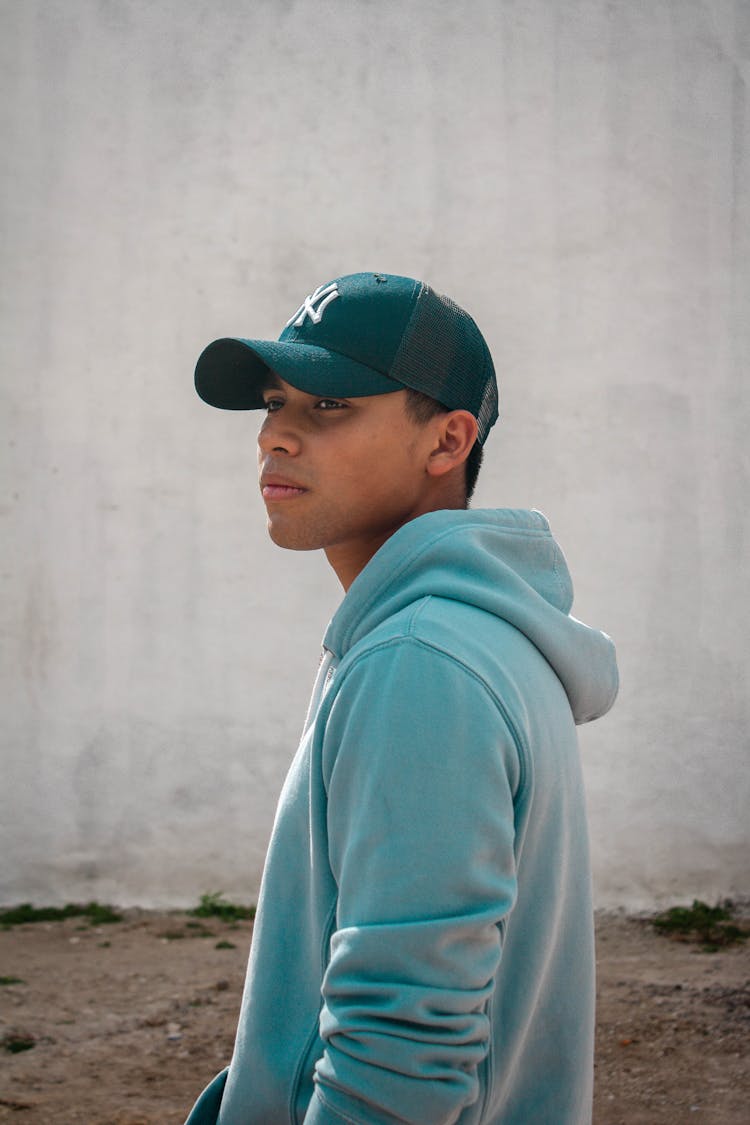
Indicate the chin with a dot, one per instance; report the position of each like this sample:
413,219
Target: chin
292,539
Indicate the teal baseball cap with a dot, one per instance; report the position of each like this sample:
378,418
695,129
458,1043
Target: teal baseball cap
362,334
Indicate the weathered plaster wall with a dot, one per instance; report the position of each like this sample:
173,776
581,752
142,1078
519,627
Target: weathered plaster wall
577,175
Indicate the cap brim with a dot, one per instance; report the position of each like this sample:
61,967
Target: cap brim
232,373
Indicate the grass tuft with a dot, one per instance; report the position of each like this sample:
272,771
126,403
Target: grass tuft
96,913
15,1042
214,905
712,927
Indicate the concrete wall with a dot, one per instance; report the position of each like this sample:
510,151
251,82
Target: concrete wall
576,174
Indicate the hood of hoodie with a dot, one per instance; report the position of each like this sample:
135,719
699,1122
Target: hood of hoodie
505,562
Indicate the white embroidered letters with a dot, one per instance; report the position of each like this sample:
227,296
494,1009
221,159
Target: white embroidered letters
324,294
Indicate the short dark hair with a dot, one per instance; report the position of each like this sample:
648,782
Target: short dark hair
420,408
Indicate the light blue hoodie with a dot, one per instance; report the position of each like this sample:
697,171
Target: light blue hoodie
423,948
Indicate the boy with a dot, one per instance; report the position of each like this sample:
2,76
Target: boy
423,947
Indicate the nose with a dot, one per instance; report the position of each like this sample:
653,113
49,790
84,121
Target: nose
277,435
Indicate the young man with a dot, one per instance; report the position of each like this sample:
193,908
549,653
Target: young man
423,947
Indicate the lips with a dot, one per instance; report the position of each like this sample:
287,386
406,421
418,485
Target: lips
281,492
280,488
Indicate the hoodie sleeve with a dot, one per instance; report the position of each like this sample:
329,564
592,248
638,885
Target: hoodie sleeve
421,769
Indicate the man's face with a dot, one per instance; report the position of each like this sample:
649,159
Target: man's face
341,474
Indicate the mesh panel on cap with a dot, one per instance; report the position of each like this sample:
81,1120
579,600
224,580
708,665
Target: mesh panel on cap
443,354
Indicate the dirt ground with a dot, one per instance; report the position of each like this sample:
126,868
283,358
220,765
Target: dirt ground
129,1020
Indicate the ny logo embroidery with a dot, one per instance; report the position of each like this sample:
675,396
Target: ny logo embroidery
324,294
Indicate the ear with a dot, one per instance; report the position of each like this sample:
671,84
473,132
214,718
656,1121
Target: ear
455,435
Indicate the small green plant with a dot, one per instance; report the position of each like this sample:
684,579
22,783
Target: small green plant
100,914
96,913
11,980
214,905
15,1042
198,930
225,945
711,926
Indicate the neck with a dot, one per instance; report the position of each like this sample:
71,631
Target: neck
349,559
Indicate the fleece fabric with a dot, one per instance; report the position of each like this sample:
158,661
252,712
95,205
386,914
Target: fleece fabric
423,947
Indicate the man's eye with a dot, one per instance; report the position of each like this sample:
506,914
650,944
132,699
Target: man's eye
330,404
273,404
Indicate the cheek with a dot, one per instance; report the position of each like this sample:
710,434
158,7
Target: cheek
382,472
